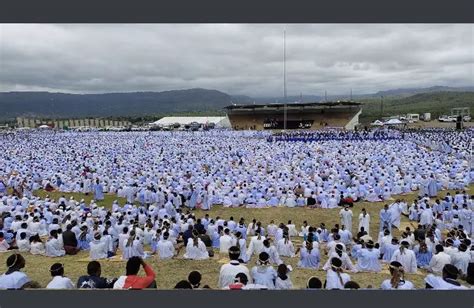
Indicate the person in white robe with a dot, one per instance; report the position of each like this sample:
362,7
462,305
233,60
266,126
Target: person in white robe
165,247
364,221
59,281
343,256
255,245
291,229
226,241
53,247
285,247
462,258
309,256
196,250
439,260
36,246
272,229
397,282
23,243
368,259
335,277
283,280
242,244
274,257
4,246
14,278
406,257
448,281
264,273
426,217
229,270
395,213
98,248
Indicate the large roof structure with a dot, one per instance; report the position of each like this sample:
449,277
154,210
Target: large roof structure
292,105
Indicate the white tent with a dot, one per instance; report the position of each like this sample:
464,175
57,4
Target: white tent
393,122
44,126
218,121
377,123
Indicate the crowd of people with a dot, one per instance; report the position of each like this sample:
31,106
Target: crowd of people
164,176
336,134
435,246
203,169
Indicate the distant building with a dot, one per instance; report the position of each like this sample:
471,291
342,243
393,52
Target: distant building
70,123
340,114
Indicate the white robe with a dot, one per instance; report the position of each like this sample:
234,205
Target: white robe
54,248
98,250
346,218
165,249
59,282
196,253
407,259
333,281
285,250
364,221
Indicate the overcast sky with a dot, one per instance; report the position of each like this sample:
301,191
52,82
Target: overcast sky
234,58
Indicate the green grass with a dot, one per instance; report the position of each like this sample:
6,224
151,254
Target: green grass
436,103
168,273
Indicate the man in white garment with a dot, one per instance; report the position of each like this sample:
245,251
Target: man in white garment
364,221
346,217
226,241
230,270
165,247
439,260
59,281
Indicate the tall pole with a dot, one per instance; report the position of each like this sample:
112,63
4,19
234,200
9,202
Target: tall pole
325,96
284,80
381,106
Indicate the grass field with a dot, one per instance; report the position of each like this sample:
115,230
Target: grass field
168,273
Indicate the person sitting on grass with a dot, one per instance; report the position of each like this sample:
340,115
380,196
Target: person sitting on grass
264,273
4,246
241,283
23,243
447,282
98,248
54,247
131,280
59,281
183,284
336,278
351,285
283,281
194,279
397,282
314,283
229,270
93,279
14,278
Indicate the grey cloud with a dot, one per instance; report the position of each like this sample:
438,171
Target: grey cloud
234,58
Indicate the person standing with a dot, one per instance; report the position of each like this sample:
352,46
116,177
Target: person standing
346,217
364,221
385,218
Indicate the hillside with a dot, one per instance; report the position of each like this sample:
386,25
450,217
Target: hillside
436,103
151,105
61,105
